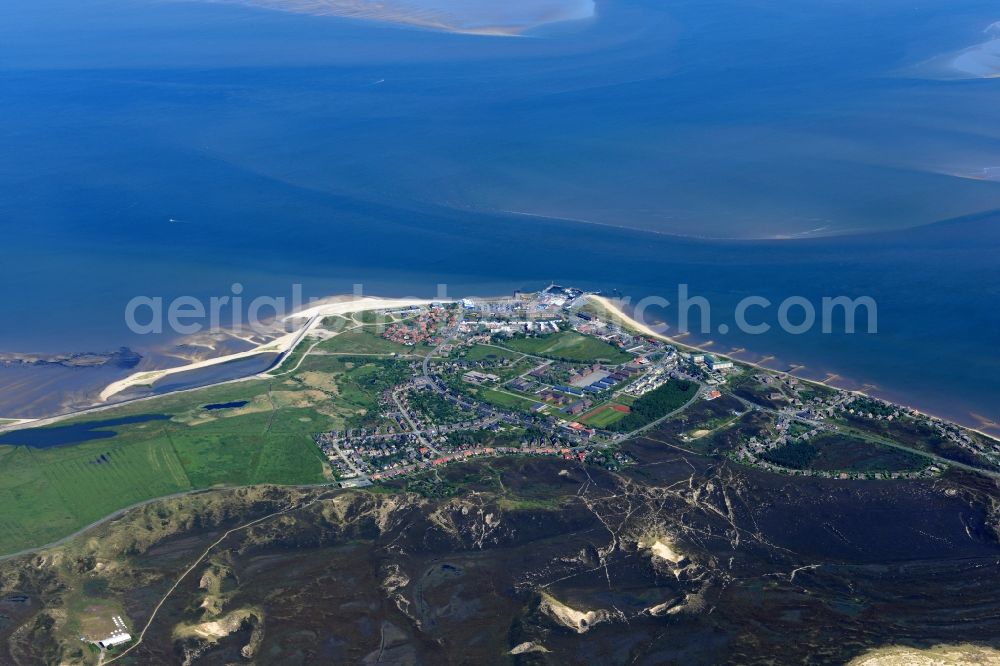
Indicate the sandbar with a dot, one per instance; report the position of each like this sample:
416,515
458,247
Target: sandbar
282,345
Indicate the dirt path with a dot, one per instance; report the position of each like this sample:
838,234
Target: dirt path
180,579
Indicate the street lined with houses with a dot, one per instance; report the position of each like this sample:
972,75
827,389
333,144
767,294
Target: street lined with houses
548,374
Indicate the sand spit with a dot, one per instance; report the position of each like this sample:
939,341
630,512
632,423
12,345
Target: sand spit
979,61
313,315
473,17
10,423
666,608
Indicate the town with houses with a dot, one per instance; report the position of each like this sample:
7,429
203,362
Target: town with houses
565,374
551,374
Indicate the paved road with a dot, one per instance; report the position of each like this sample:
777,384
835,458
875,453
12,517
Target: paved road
514,351
637,431
348,461
120,512
49,420
204,554
860,434
413,425
451,336
308,351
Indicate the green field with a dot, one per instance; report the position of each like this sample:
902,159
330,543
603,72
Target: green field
570,346
380,320
506,400
351,385
488,353
292,360
361,341
49,493
602,417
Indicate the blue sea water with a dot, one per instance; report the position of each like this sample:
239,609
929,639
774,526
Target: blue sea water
215,374
744,148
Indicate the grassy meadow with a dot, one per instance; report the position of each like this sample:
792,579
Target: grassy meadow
50,493
569,346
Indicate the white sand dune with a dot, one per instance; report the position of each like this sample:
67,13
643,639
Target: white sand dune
571,618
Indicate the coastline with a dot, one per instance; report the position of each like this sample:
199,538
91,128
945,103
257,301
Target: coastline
607,307
339,305
626,320
282,345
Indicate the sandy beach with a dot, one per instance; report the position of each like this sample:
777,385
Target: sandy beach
343,305
617,313
313,315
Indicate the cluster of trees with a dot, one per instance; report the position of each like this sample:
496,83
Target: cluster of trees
433,488
794,455
437,408
478,437
363,384
656,404
868,406
376,375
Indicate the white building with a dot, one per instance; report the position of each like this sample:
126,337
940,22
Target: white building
117,638
475,377
718,363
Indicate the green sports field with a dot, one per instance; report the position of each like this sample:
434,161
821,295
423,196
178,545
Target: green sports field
602,417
